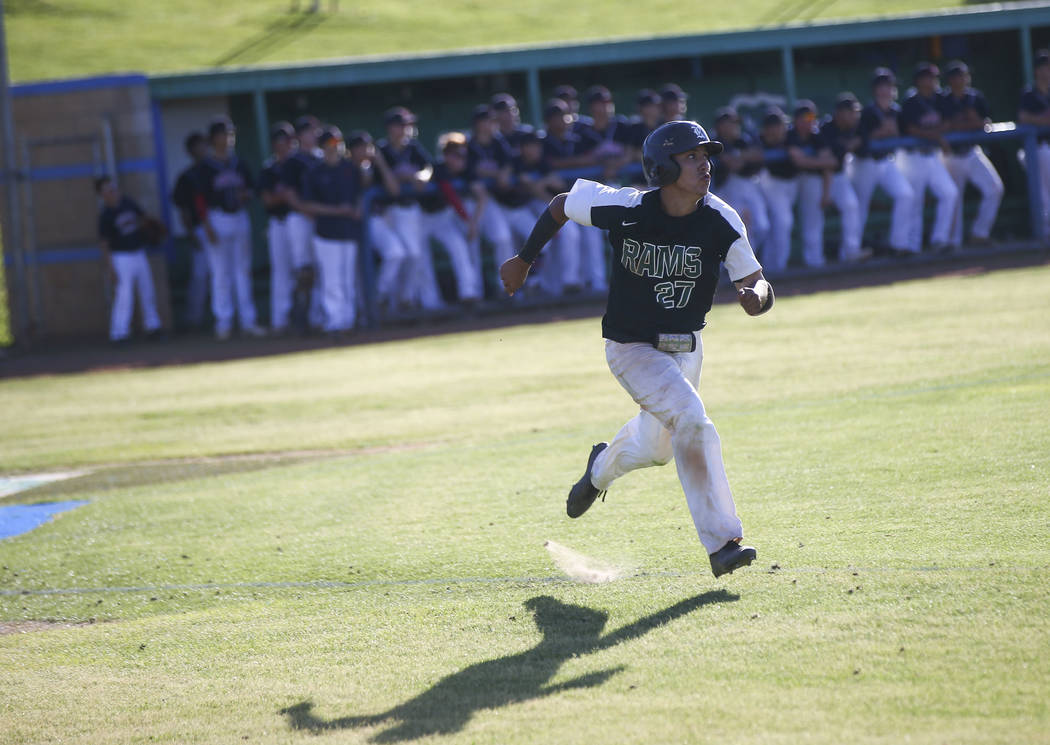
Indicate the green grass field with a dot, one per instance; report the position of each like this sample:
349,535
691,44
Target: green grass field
62,38
348,545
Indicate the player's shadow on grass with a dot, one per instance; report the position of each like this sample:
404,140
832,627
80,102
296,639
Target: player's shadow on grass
568,631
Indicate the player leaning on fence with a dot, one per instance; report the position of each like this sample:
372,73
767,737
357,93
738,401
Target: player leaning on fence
669,245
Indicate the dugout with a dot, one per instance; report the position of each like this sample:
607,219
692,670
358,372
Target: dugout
778,63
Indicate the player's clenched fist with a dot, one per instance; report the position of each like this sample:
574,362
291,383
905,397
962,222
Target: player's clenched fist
513,274
757,299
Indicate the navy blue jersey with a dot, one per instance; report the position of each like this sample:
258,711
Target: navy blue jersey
224,181
299,164
184,195
487,157
812,145
514,137
334,185
871,118
404,161
435,199
1036,102
520,194
562,147
952,106
664,269
637,131
782,168
617,131
275,173
922,113
839,141
121,226
746,141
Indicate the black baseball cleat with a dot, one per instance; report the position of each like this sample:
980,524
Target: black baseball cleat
730,557
583,493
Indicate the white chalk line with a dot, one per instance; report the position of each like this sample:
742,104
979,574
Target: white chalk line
363,584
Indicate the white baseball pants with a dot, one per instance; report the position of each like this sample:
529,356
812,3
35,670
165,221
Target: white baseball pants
852,230
338,284
230,261
867,173
592,258
133,276
197,288
301,239
494,227
448,229
975,168
282,275
420,284
1043,154
672,423
385,243
780,195
745,196
301,235
561,267
811,218
926,171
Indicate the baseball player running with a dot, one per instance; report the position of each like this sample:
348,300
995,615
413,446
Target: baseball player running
668,248
965,110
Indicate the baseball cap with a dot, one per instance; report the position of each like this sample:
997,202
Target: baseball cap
451,141
221,124
883,75
1042,57
358,137
956,67
805,106
502,102
566,93
724,113
648,97
925,68
398,115
774,115
672,92
529,137
329,133
305,122
846,100
481,112
598,93
281,130
554,107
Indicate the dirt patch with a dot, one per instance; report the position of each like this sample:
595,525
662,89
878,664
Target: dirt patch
109,476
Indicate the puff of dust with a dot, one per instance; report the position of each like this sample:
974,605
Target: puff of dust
582,568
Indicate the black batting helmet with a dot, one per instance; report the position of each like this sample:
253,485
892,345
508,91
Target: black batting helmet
670,139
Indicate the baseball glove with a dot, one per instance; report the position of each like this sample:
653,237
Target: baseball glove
154,230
